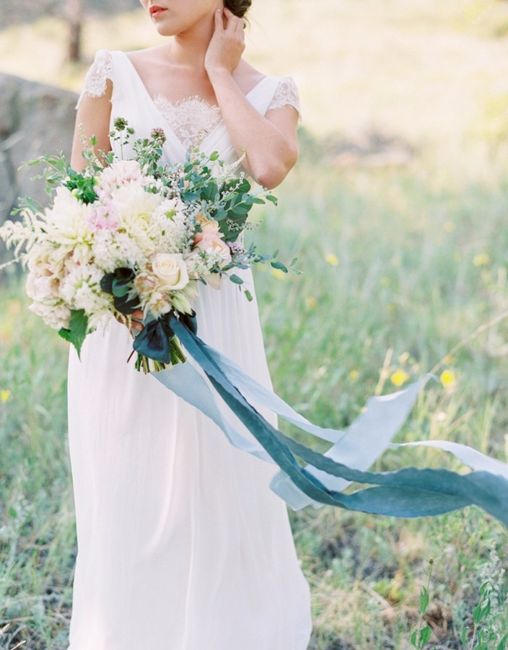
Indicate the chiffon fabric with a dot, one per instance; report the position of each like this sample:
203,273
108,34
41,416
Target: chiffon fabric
181,543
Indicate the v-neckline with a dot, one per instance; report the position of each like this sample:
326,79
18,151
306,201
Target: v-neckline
219,124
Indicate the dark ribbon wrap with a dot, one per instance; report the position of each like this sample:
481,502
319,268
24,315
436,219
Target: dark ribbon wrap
407,492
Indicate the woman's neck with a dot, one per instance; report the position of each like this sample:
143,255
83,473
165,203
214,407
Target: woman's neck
188,49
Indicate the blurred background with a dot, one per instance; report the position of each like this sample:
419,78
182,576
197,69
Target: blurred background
397,211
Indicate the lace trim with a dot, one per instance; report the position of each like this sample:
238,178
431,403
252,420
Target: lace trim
101,69
286,93
191,118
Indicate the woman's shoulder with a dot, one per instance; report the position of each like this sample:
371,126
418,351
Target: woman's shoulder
286,92
255,76
96,78
285,88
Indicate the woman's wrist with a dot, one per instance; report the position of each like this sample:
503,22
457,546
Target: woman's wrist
218,74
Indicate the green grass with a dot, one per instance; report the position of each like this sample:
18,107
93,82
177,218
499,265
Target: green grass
403,268
421,266
410,279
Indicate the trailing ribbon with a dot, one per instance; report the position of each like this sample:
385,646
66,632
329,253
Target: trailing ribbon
408,492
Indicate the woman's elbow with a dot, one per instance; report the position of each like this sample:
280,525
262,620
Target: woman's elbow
272,175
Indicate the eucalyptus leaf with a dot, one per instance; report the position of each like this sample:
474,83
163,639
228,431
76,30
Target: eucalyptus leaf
279,265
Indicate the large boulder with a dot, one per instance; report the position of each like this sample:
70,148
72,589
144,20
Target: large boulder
35,119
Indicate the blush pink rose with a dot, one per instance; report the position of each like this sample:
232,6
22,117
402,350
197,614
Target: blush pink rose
210,240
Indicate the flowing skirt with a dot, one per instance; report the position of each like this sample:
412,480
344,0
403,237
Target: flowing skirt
181,543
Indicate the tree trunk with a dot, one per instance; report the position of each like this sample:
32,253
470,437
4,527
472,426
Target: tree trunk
74,11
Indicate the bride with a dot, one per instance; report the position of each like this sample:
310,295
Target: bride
181,543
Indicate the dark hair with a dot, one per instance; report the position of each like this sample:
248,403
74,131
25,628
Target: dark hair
238,7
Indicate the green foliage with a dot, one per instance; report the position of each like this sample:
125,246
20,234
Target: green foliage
421,636
54,171
120,284
76,332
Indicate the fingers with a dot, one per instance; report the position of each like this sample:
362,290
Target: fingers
219,24
133,322
235,24
136,318
135,327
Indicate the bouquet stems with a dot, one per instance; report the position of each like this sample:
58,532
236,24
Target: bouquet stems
177,355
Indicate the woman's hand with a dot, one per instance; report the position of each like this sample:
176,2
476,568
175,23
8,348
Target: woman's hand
227,43
136,321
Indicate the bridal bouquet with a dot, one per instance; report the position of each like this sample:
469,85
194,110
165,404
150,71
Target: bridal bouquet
134,235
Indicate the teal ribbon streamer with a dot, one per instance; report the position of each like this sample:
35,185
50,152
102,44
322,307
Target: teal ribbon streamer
409,492
358,446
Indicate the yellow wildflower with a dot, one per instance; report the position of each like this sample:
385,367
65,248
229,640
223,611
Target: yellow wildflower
399,377
354,374
279,274
311,302
4,395
331,259
481,259
448,378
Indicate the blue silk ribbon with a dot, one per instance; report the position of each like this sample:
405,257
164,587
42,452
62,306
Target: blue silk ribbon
408,492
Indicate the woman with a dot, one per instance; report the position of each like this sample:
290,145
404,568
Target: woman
181,543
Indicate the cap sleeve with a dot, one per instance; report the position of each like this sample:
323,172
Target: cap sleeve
101,69
286,92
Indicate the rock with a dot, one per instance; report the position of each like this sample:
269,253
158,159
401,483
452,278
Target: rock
35,119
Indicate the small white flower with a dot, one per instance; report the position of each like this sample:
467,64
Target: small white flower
41,287
54,315
120,172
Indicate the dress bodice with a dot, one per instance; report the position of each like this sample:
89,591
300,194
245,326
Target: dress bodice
189,121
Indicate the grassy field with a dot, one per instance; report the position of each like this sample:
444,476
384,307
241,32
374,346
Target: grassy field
404,269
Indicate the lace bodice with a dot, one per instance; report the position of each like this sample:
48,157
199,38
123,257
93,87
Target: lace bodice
191,118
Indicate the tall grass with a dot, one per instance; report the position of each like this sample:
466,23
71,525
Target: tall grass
404,269
397,268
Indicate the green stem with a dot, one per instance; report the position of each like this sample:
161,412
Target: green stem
175,341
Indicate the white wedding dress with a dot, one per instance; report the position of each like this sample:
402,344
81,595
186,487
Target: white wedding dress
181,543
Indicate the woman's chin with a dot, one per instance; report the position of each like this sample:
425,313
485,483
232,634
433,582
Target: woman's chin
164,31
166,27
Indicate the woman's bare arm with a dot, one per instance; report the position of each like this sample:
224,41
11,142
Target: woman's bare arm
92,118
270,141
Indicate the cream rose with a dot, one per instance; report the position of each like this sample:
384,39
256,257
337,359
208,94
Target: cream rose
171,270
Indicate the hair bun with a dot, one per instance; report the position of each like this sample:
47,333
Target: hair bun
238,7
